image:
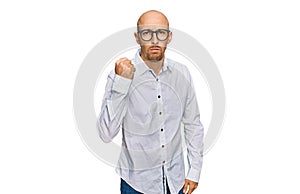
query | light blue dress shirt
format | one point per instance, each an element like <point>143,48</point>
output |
<point>154,113</point>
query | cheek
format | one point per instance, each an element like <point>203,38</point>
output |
<point>145,47</point>
<point>163,44</point>
<point>163,48</point>
<point>145,44</point>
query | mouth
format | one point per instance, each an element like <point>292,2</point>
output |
<point>155,49</point>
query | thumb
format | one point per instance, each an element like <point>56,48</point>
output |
<point>185,187</point>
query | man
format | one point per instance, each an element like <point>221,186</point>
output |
<point>149,98</point>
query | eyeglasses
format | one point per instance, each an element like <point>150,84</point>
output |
<point>161,34</point>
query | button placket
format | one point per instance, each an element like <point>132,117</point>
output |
<point>162,131</point>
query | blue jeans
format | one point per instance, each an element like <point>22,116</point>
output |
<point>127,189</point>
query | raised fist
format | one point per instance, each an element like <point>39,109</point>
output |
<point>124,68</point>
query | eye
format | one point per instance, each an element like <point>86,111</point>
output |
<point>162,32</point>
<point>145,33</point>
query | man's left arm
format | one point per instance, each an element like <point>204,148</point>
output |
<point>194,132</point>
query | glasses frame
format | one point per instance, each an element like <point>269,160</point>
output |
<point>152,32</point>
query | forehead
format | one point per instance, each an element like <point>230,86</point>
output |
<point>152,27</point>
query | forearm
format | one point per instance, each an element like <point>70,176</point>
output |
<point>114,107</point>
<point>195,146</point>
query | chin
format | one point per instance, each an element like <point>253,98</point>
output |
<point>155,58</point>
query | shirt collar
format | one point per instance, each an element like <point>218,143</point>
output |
<point>141,67</point>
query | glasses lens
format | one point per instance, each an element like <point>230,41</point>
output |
<point>146,35</point>
<point>162,34</point>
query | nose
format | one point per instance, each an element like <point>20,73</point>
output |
<point>154,39</point>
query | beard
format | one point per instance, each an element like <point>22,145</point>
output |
<point>155,56</point>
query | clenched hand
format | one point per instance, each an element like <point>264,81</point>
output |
<point>124,68</point>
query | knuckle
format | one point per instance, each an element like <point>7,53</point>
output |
<point>118,62</point>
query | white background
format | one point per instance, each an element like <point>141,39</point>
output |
<point>255,45</point>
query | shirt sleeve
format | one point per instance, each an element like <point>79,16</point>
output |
<point>114,106</point>
<point>194,132</point>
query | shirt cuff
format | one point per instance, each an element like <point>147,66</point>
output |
<point>121,84</point>
<point>193,175</point>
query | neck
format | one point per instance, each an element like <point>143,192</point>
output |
<point>155,65</point>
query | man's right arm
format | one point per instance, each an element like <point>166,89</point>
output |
<point>114,104</point>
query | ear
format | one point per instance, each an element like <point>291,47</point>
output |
<point>137,39</point>
<point>170,37</point>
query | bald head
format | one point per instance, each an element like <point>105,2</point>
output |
<point>154,18</point>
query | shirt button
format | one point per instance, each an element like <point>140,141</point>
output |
<point>160,113</point>
<point>156,79</point>
<point>164,161</point>
<point>161,129</point>
<point>162,146</point>
<point>158,96</point>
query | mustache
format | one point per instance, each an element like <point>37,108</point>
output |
<point>154,47</point>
